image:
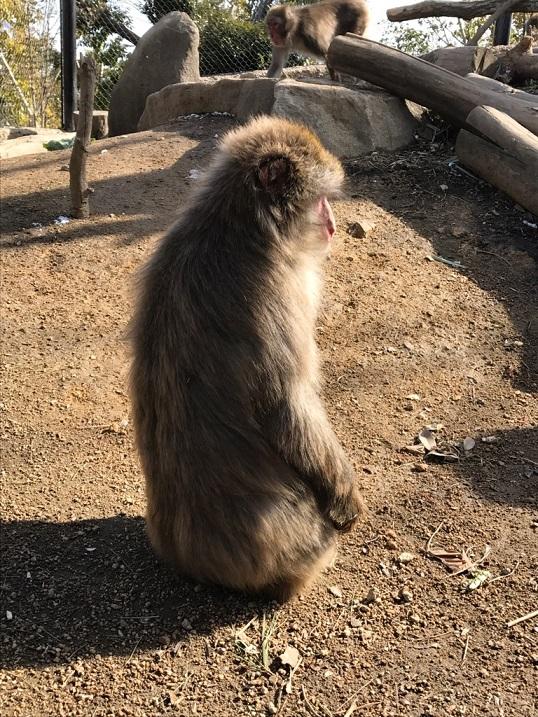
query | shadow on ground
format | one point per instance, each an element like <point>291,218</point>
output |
<point>94,587</point>
<point>465,220</point>
<point>504,469</point>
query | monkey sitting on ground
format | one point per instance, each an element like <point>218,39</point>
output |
<point>310,29</point>
<point>247,485</point>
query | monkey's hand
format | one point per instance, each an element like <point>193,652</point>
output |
<point>346,508</point>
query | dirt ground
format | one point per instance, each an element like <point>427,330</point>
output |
<point>93,625</point>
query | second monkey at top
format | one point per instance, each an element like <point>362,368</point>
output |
<point>310,29</point>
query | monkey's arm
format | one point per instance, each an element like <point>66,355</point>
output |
<point>280,57</point>
<point>300,431</point>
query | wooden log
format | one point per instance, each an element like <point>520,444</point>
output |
<point>80,192</point>
<point>508,62</point>
<point>506,155</point>
<point>513,63</point>
<point>414,79</point>
<point>462,60</point>
<point>496,86</point>
<point>465,9</point>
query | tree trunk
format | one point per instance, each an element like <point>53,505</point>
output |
<point>506,154</point>
<point>466,9</point>
<point>80,203</point>
<point>414,79</point>
<point>502,9</point>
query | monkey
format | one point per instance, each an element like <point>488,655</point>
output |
<point>531,26</point>
<point>247,485</point>
<point>310,29</point>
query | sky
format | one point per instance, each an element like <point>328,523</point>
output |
<point>378,10</point>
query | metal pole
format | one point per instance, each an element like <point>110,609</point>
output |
<point>69,62</point>
<point>501,36</point>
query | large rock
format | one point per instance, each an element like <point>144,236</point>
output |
<point>238,96</point>
<point>166,53</point>
<point>349,121</point>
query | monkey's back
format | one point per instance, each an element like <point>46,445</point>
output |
<point>214,335</point>
<point>321,22</point>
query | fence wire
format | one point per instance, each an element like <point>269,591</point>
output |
<point>30,60</point>
<point>232,34</point>
<point>233,39</point>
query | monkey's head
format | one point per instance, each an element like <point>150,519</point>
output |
<point>287,175</point>
<point>281,23</point>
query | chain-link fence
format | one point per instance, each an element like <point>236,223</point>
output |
<point>232,34</point>
<point>30,63</point>
<point>232,39</point>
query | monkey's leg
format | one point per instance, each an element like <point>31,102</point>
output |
<point>335,77</point>
<point>300,431</point>
<point>280,57</point>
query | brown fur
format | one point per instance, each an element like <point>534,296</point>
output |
<point>310,29</point>
<point>246,482</point>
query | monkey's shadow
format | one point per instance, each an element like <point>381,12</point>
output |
<point>95,587</point>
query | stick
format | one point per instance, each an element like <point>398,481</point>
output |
<point>80,192</point>
<point>501,10</point>
<point>528,616</point>
<point>465,9</point>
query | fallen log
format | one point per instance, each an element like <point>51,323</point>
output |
<point>446,93</point>
<point>465,9</point>
<point>495,86</point>
<point>508,62</point>
<point>505,155</point>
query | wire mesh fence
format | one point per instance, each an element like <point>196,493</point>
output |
<point>232,34</point>
<point>30,63</point>
<point>233,39</point>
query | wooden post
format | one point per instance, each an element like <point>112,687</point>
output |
<point>80,202</point>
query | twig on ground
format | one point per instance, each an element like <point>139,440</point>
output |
<point>465,648</point>
<point>528,616</point>
<point>506,575</point>
<point>497,256</point>
<point>432,536</point>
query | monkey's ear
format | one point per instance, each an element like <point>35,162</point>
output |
<point>275,174</point>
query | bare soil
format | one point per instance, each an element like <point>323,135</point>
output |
<point>93,625</point>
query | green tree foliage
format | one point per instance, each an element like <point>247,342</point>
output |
<point>99,25</point>
<point>422,36</point>
<point>29,63</point>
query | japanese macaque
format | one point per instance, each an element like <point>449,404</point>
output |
<point>310,29</point>
<point>247,485</point>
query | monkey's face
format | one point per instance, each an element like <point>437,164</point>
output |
<point>276,26</point>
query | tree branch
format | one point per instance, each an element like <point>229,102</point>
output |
<point>466,9</point>
<point>501,10</point>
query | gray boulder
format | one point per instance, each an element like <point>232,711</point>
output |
<point>167,53</point>
<point>238,96</point>
<point>349,121</point>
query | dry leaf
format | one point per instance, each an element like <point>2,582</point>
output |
<point>290,656</point>
<point>456,562</point>
<point>427,439</point>
<point>334,590</point>
<point>441,457</point>
<point>413,397</point>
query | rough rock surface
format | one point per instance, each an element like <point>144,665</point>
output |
<point>99,123</point>
<point>349,121</point>
<point>167,53</point>
<point>241,97</point>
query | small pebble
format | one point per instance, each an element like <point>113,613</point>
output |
<point>405,595</point>
<point>405,558</point>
